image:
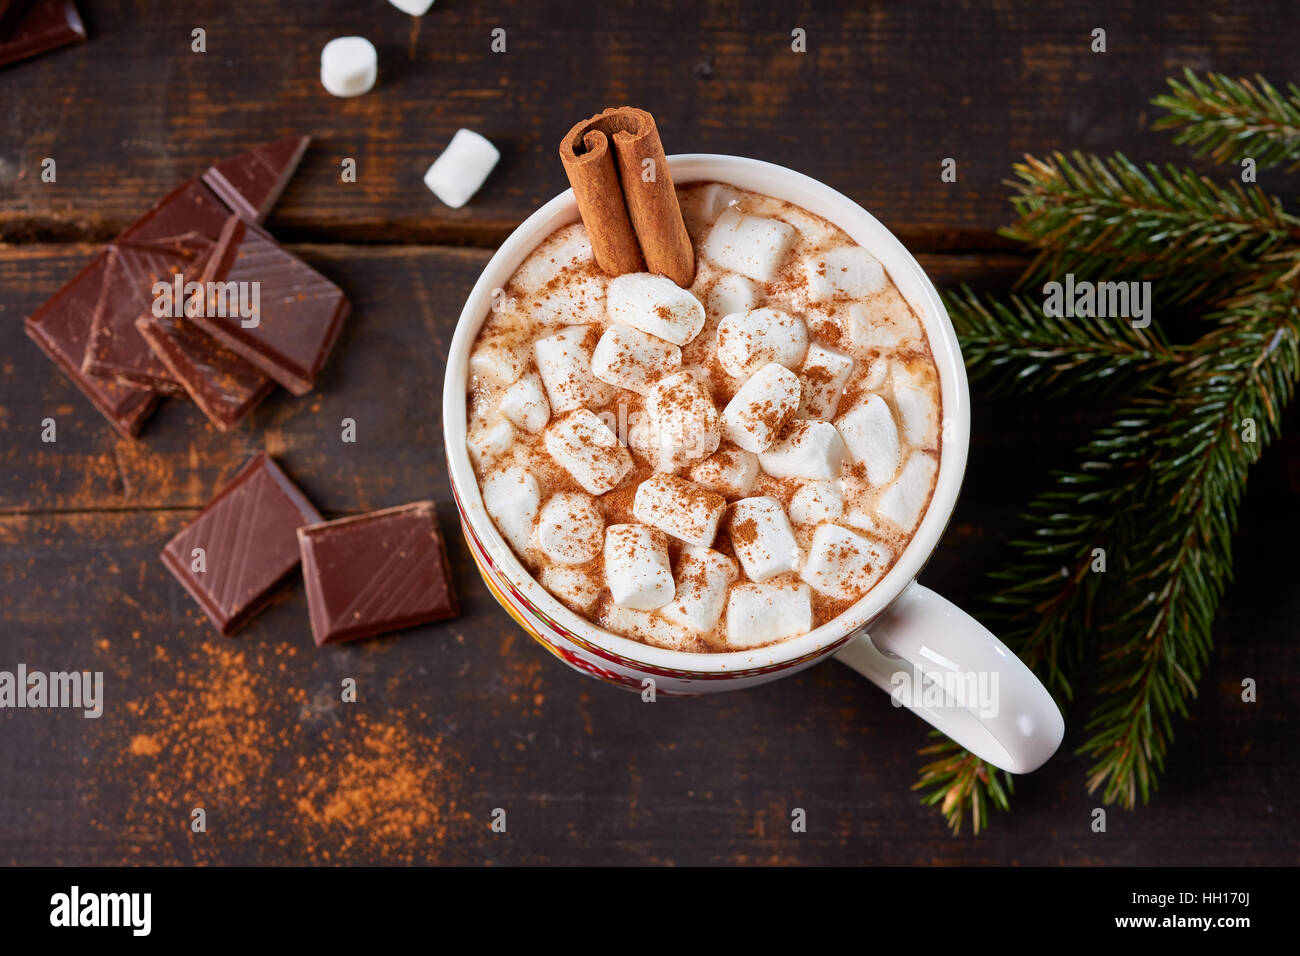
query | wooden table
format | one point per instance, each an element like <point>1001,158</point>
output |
<point>470,716</point>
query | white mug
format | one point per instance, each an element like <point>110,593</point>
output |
<point>927,653</point>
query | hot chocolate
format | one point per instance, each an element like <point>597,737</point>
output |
<point>713,468</point>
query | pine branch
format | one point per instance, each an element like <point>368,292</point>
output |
<point>1111,219</point>
<point>962,784</point>
<point>1179,561</point>
<point>1016,346</point>
<point>1229,120</point>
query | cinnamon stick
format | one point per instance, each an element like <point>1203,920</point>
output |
<point>616,165</point>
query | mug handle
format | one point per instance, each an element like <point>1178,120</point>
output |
<point>935,659</point>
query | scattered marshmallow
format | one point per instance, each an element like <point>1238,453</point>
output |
<point>763,613</point>
<point>564,362</point>
<point>813,451</point>
<point>462,168</point>
<point>584,446</point>
<point>416,8</point>
<point>629,358</point>
<point>762,539</point>
<point>637,572</point>
<point>916,409</point>
<point>655,304</point>
<point>815,502</point>
<point>822,378</point>
<point>703,579</point>
<point>646,626</point>
<point>685,422</point>
<point>489,441</point>
<point>511,497</point>
<point>843,272</point>
<point>749,340</point>
<point>761,408</point>
<point>497,363</point>
<point>679,508</point>
<point>751,245</point>
<point>886,323</point>
<point>349,66</point>
<point>570,528</point>
<point>729,472</point>
<point>907,497</point>
<point>844,565</point>
<point>732,293</point>
<point>525,404</point>
<point>576,587</point>
<point>871,437</point>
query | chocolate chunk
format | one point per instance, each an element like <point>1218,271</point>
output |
<point>248,541</point>
<point>251,182</point>
<point>188,209</point>
<point>36,27</point>
<point>221,383</point>
<point>61,327</point>
<point>375,573</point>
<point>300,315</point>
<point>116,350</point>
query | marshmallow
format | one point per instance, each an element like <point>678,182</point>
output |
<point>843,565</point>
<point>822,378</point>
<point>761,408</point>
<point>907,497</point>
<point>815,230</point>
<point>762,613</point>
<point>703,579</point>
<point>645,626</point>
<point>809,450</point>
<point>655,304</point>
<point>916,409</point>
<point>761,537</point>
<point>683,419</point>
<point>848,272</point>
<point>871,437</point>
<point>883,324</point>
<point>564,361</point>
<point>489,441</point>
<point>629,358</point>
<point>570,529</point>
<point>679,508</point>
<point>576,587</point>
<point>732,293</point>
<point>815,502</point>
<point>524,403</point>
<point>577,300</point>
<point>713,200</point>
<point>348,66</point>
<point>457,174</point>
<point>569,247</point>
<point>497,363</point>
<point>416,8</point>
<point>637,572</point>
<point>511,497</point>
<point>749,340</point>
<point>751,245</point>
<point>729,472</point>
<point>584,446</point>
<point>877,372</point>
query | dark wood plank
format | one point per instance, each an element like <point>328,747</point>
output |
<point>884,92</point>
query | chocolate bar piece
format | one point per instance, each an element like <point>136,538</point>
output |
<point>251,182</point>
<point>300,313</point>
<point>191,208</point>
<point>116,351</point>
<point>44,25</point>
<point>61,327</point>
<point>375,573</point>
<point>242,545</point>
<point>221,383</point>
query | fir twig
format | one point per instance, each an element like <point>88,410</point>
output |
<point>962,784</point>
<point>1229,120</point>
<point>1112,219</point>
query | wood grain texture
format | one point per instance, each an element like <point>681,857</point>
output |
<point>481,717</point>
<point>883,94</point>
